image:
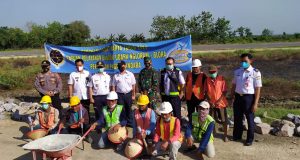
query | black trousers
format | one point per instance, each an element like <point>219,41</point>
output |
<point>56,103</point>
<point>176,104</point>
<point>100,102</point>
<point>192,106</point>
<point>86,104</point>
<point>126,101</point>
<point>242,105</point>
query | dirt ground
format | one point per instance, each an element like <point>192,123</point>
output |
<point>266,147</point>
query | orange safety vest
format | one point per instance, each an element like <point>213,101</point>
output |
<point>144,124</point>
<point>214,91</point>
<point>50,121</point>
<point>197,89</point>
<point>172,126</point>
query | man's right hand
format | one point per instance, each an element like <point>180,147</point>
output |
<point>189,142</point>
<point>93,126</point>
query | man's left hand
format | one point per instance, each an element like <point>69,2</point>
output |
<point>116,128</point>
<point>164,145</point>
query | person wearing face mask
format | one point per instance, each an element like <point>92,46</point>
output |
<point>78,85</point>
<point>201,130</point>
<point>48,83</point>
<point>112,115</point>
<point>194,90</point>
<point>172,86</point>
<point>144,120</point>
<point>124,84</point>
<point>215,93</point>
<point>148,82</point>
<point>167,133</point>
<point>76,119</point>
<point>47,117</point>
<point>99,88</point>
<point>245,93</point>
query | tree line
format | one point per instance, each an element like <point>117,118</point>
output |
<point>204,28</point>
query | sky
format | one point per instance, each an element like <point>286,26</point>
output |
<point>135,16</point>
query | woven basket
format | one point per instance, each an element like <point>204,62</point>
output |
<point>36,134</point>
<point>119,136</point>
<point>133,148</point>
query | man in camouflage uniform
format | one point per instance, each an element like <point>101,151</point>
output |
<point>48,83</point>
<point>148,82</point>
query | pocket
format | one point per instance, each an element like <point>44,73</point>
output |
<point>42,81</point>
<point>53,80</point>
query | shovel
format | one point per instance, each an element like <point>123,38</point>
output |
<point>144,141</point>
<point>81,125</point>
<point>30,123</point>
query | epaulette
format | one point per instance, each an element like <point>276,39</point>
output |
<point>256,70</point>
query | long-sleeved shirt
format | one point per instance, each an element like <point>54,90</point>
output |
<point>176,133</point>
<point>152,123</point>
<point>73,117</point>
<point>45,82</point>
<point>123,121</point>
<point>205,137</point>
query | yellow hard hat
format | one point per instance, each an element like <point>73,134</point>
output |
<point>143,100</point>
<point>46,99</point>
<point>74,100</point>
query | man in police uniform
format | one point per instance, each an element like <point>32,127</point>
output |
<point>78,82</point>
<point>148,82</point>
<point>245,92</point>
<point>48,83</point>
<point>171,86</point>
<point>99,88</point>
<point>124,84</point>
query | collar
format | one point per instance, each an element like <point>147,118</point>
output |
<point>249,69</point>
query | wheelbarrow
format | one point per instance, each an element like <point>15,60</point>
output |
<point>56,146</point>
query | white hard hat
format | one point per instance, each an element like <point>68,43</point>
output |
<point>165,108</point>
<point>112,95</point>
<point>196,63</point>
<point>204,104</point>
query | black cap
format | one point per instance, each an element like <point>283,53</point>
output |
<point>147,59</point>
<point>100,64</point>
<point>45,63</point>
<point>121,63</point>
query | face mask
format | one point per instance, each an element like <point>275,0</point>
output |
<point>203,114</point>
<point>100,70</point>
<point>169,67</point>
<point>167,120</point>
<point>245,65</point>
<point>147,65</point>
<point>45,69</point>
<point>80,68</point>
<point>214,75</point>
<point>45,106</point>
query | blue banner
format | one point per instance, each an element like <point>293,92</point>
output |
<point>62,58</point>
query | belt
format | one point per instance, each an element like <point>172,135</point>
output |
<point>124,93</point>
<point>243,94</point>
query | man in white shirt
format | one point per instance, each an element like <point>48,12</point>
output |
<point>245,92</point>
<point>124,84</point>
<point>99,88</point>
<point>78,82</point>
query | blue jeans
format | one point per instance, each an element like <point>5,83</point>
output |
<point>104,141</point>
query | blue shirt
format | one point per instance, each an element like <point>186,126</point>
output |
<point>152,123</point>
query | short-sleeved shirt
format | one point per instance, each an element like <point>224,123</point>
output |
<point>123,82</point>
<point>167,81</point>
<point>100,84</point>
<point>246,80</point>
<point>80,81</point>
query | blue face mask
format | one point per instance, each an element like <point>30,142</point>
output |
<point>245,65</point>
<point>45,106</point>
<point>214,75</point>
<point>100,70</point>
<point>169,67</point>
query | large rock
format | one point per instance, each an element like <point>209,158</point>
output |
<point>262,128</point>
<point>9,106</point>
<point>286,131</point>
<point>289,117</point>
<point>297,120</point>
<point>297,131</point>
<point>257,120</point>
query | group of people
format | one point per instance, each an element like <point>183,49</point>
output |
<point>159,125</point>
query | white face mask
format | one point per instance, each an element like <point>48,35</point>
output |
<point>167,120</point>
<point>80,68</point>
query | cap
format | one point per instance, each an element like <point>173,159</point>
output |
<point>204,104</point>
<point>45,63</point>
<point>213,68</point>
<point>100,64</point>
<point>121,63</point>
<point>147,59</point>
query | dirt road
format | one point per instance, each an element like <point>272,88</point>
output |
<point>266,147</point>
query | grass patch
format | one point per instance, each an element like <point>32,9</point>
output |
<point>18,73</point>
<point>275,112</point>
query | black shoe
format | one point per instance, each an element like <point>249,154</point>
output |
<point>248,144</point>
<point>236,139</point>
<point>190,149</point>
<point>120,147</point>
